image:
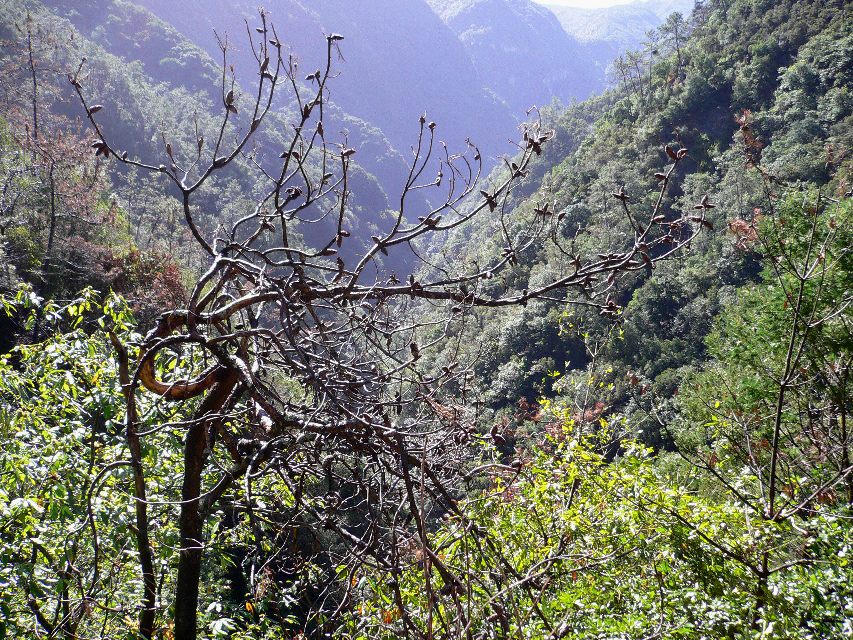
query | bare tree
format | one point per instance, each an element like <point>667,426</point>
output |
<point>368,448</point>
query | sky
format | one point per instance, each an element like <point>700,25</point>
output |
<point>586,4</point>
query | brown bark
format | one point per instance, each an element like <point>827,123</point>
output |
<point>191,522</point>
<point>143,543</point>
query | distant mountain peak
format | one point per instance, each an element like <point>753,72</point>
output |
<point>520,50</point>
<point>621,25</point>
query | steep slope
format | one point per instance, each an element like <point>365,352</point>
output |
<point>398,60</point>
<point>152,81</point>
<point>796,123</point>
<point>521,51</point>
<point>134,33</point>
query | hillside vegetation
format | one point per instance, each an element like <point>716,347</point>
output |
<point>283,355</point>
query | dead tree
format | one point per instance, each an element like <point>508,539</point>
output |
<point>366,426</point>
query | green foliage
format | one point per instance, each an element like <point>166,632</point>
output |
<point>585,548</point>
<point>64,514</point>
<point>761,92</point>
<point>781,352</point>
<point>68,556</point>
<point>589,535</point>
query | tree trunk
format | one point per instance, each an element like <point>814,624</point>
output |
<point>143,543</point>
<point>191,522</point>
<point>46,265</point>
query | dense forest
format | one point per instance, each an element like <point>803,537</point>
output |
<point>313,328</point>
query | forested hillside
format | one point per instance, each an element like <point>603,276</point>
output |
<point>419,63</point>
<point>166,60</point>
<point>312,328</point>
<point>714,93</point>
<point>151,82</point>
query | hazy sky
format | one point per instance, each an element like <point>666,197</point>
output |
<point>587,4</point>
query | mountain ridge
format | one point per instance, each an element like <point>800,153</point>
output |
<point>498,34</point>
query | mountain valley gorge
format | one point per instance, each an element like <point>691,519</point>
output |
<point>429,319</point>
